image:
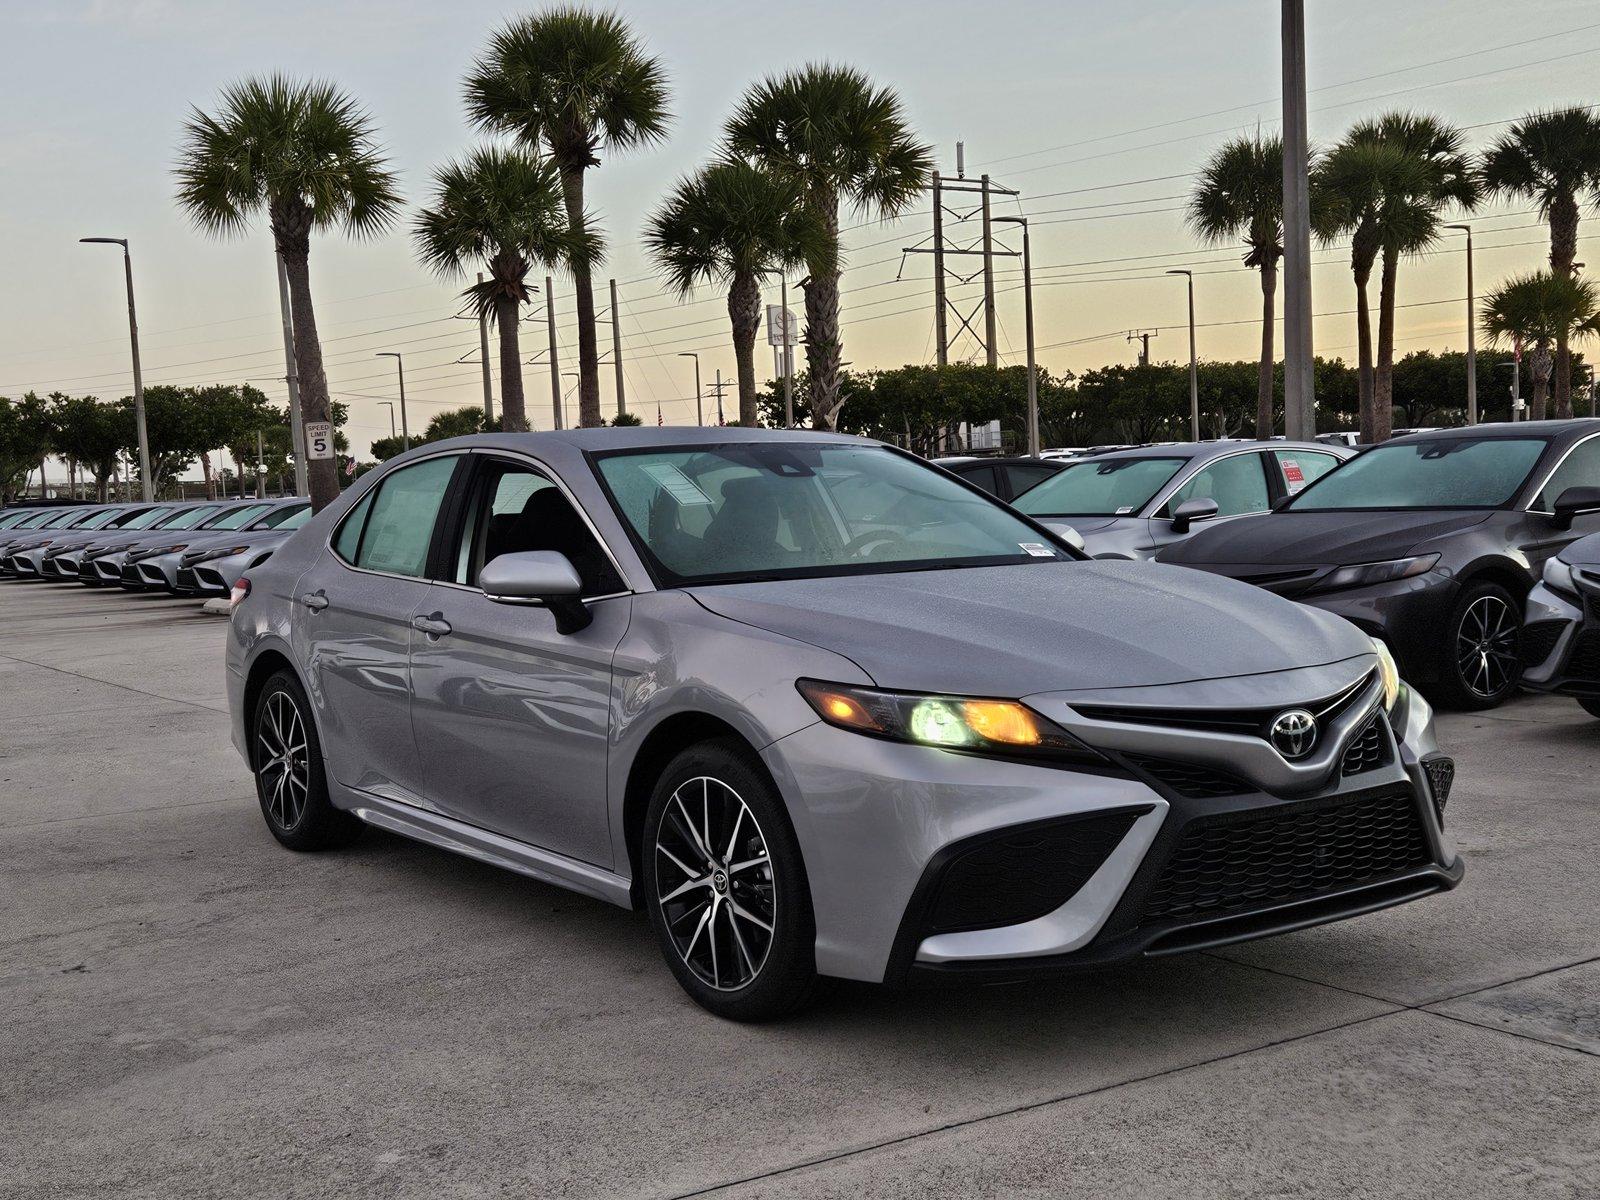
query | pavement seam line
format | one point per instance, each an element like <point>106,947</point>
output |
<point>1516,1033</point>
<point>1031,1106</point>
<point>126,812</point>
<point>110,683</point>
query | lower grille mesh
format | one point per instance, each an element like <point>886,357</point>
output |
<point>1538,639</point>
<point>1227,863</point>
<point>1584,662</point>
<point>1367,751</point>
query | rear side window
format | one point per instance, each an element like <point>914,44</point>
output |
<point>980,477</point>
<point>396,526</point>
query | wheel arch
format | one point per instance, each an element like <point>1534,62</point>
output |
<point>1508,573</point>
<point>267,662</point>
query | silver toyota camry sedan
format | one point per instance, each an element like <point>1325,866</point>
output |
<point>822,710</point>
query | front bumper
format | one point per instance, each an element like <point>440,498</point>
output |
<point>928,864</point>
<point>1561,643</point>
<point>160,572</point>
<point>105,570</point>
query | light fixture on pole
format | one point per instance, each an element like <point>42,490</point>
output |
<point>1472,338</point>
<point>389,404</point>
<point>699,417</point>
<point>400,366</point>
<point>1194,362</point>
<point>1027,310</point>
<point>138,377</point>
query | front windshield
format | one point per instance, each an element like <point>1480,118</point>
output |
<point>287,517</point>
<point>1464,472</point>
<point>148,518</point>
<point>1105,487</point>
<point>100,519</point>
<point>186,518</point>
<point>779,510</point>
<point>235,518</point>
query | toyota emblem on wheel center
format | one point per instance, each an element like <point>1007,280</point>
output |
<point>1294,733</point>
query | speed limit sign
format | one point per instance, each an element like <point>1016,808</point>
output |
<point>319,439</point>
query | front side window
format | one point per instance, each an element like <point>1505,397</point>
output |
<point>792,509</point>
<point>514,510</point>
<point>281,517</point>
<point>396,527</point>
<point>1237,483</point>
<point>1581,468</point>
<point>1301,468</point>
<point>1458,472</point>
<point>1105,487</point>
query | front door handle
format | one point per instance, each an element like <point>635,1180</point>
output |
<point>434,626</point>
<point>315,601</point>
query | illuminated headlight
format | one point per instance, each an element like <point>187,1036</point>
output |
<point>1558,578</point>
<point>1368,574</point>
<point>1389,672</point>
<point>969,724</point>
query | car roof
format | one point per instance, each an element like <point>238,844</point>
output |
<point>609,437</point>
<point>1210,449</point>
<point>1557,430</point>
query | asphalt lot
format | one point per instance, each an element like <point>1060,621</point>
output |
<point>189,1010</point>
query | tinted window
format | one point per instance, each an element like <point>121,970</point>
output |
<point>979,476</point>
<point>281,518</point>
<point>1581,468</point>
<point>775,510</point>
<point>400,523</point>
<point>1461,472</point>
<point>1023,476</point>
<point>101,519</point>
<point>348,540</point>
<point>236,518</point>
<point>1106,487</point>
<point>186,518</point>
<point>515,510</point>
<point>1302,467</point>
<point>1236,483</point>
<point>148,518</point>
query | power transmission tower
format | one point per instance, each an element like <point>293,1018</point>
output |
<point>954,237</point>
<point>718,388</point>
<point>1143,336</point>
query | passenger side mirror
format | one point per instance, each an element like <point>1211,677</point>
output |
<point>1200,508</point>
<point>1575,502</point>
<point>537,577</point>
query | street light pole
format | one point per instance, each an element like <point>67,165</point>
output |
<point>1194,363</point>
<point>699,416</point>
<point>138,377</point>
<point>788,354</point>
<point>1027,318</point>
<point>389,404</point>
<point>1299,368</point>
<point>400,366</point>
<point>1472,340</point>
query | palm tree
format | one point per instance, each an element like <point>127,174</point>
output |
<point>306,156</point>
<point>733,224</point>
<point>830,133</point>
<point>504,208</point>
<point>1553,159</point>
<point>1541,310</point>
<point>566,83</point>
<point>1240,195</point>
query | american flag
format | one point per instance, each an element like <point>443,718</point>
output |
<point>659,419</point>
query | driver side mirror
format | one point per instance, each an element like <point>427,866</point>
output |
<point>1575,502</point>
<point>1200,508</point>
<point>538,577</point>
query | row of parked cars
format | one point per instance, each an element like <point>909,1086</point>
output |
<point>185,548</point>
<point>1456,546</point>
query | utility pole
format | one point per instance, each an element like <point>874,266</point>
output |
<point>1143,336</point>
<point>291,380</point>
<point>555,367</point>
<point>940,313</point>
<point>616,348</point>
<point>716,387</point>
<point>1027,309</point>
<point>1194,363</point>
<point>788,345</point>
<point>138,377</point>
<point>405,428</point>
<point>699,415</point>
<point>988,280</point>
<point>1472,332</point>
<point>483,357</point>
<point>1299,366</point>
<point>261,467</point>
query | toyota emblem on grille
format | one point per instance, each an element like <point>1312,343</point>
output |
<point>1294,733</point>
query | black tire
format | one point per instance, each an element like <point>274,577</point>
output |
<point>1590,705</point>
<point>782,975</point>
<point>1479,663</point>
<point>291,783</point>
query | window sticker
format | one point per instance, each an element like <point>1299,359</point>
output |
<point>676,484</point>
<point>1037,549</point>
<point>1125,510</point>
<point>1293,475</point>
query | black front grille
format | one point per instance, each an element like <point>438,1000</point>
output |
<point>1368,750</point>
<point>1584,661</point>
<point>1232,862</point>
<point>186,579</point>
<point>1441,771</point>
<point>1024,873</point>
<point>1191,779</point>
<point>1539,638</point>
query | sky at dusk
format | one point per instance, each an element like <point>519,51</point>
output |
<point>1097,113</point>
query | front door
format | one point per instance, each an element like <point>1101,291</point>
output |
<point>511,717</point>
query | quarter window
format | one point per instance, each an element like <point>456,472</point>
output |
<point>1581,468</point>
<point>1301,467</point>
<point>1236,483</point>
<point>391,531</point>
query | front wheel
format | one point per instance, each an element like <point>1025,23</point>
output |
<point>1481,661</point>
<point>726,887</point>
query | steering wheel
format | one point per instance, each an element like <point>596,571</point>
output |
<point>863,544</point>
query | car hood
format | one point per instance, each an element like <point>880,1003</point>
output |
<point>1585,552</point>
<point>1020,630</point>
<point>1087,525</point>
<point>1319,538</point>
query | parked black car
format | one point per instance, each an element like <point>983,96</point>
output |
<point>1007,478</point>
<point>1431,542</point>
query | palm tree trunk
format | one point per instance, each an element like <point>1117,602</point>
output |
<point>292,232</point>
<point>588,348</point>
<point>1540,362</point>
<point>205,470</point>
<point>744,311</point>
<point>1361,268</point>
<point>513,407</point>
<point>824,349</point>
<point>1269,293</point>
<point>1563,251</point>
<point>1383,376</point>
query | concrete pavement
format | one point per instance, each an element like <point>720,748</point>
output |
<point>190,1010</point>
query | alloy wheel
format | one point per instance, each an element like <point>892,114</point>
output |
<point>1486,647</point>
<point>282,760</point>
<point>715,883</point>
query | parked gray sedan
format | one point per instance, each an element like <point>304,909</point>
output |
<point>1132,503</point>
<point>822,710</point>
<point>1561,636</point>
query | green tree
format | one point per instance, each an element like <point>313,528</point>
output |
<point>837,138</point>
<point>568,82</point>
<point>1240,196</point>
<point>91,434</point>
<point>733,224</point>
<point>626,420</point>
<point>1540,310</point>
<point>306,155</point>
<point>27,432</point>
<point>501,207</point>
<point>1553,159</point>
<point>455,422</point>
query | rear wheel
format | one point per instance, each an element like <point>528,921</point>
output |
<point>1480,662</point>
<point>291,782</point>
<point>726,887</point>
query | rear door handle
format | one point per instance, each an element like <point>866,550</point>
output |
<point>315,601</point>
<point>434,626</point>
